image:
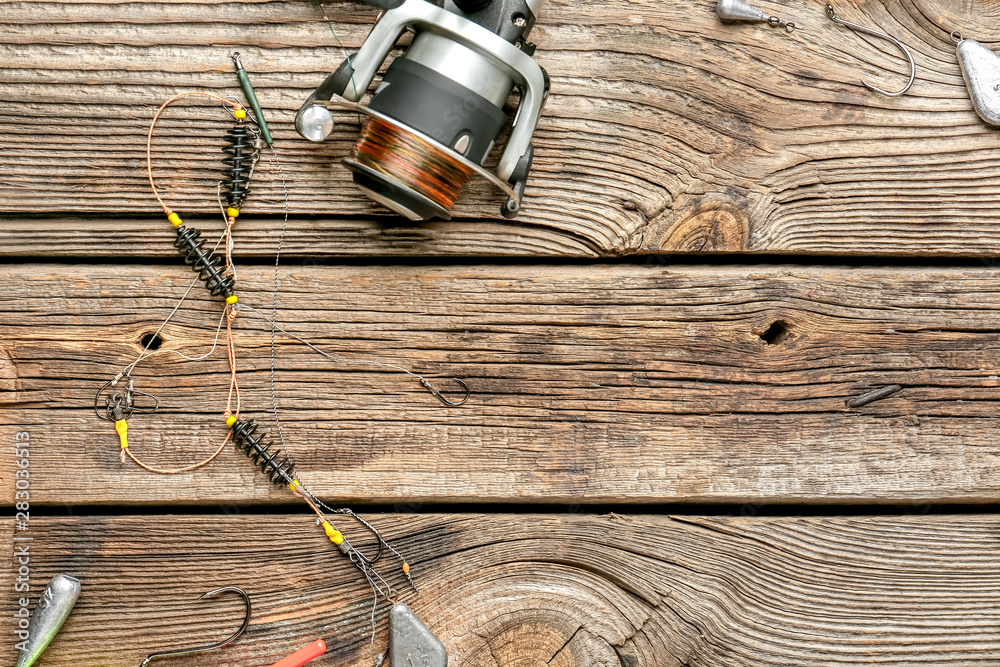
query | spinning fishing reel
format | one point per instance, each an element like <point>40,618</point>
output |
<point>439,109</point>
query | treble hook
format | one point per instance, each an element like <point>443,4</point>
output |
<point>875,33</point>
<point>246,621</point>
<point>431,388</point>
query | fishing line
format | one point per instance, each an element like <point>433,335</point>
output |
<point>215,343</point>
<point>362,362</point>
<point>407,159</point>
<point>347,55</point>
<point>274,295</point>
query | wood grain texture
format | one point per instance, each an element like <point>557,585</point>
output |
<point>503,590</point>
<point>666,131</point>
<point>591,384</point>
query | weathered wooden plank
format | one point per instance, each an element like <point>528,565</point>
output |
<point>42,236</point>
<point>562,590</point>
<point>666,131</point>
<point>591,384</point>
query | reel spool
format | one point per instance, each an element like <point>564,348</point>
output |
<point>437,114</point>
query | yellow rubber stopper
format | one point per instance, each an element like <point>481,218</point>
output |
<point>232,299</point>
<point>175,220</point>
<point>233,212</point>
<point>122,427</point>
<point>335,535</point>
<point>230,421</point>
<point>241,113</point>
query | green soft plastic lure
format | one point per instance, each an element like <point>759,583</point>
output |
<point>51,612</point>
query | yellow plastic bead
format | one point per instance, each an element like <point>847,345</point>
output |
<point>406,568</point>
<point>122,427</point>
<point>175,220</point>
<point>241,113</point>
<point>230,421</point>
<point>335,535</point>
<point>232,299</point>
<point>233,212</point>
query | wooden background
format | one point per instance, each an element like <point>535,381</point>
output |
<point>724,238</point>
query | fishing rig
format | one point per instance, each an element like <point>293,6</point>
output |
<point>118,400</point>
<point>438,112</point>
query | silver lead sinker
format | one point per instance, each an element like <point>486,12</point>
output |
<point>50,613</point>
<point>411,642</point>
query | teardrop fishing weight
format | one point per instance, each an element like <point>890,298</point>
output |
<point>205,263</point>
<point>981,71</point>
<point>276,465</point>
<point>737,11</point>
<point>409,636</point>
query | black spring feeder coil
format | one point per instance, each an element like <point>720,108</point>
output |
<point>276,465</point>
<point>204,262</point>
<point>239,151</point>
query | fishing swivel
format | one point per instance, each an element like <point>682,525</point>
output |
<point>738,11</point>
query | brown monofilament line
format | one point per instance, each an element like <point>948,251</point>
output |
<point>149,138</point>
<point>234,386</point>
<point>406,158</point>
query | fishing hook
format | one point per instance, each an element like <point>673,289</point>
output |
<point>378,536</point>
<point>246,621</point>
<point>875,33</point>
<point>124,400</point>
<point>431,388</point>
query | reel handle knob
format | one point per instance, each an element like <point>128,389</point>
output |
<point>315,123</point>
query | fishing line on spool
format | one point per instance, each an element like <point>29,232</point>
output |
<point>415,163</point>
